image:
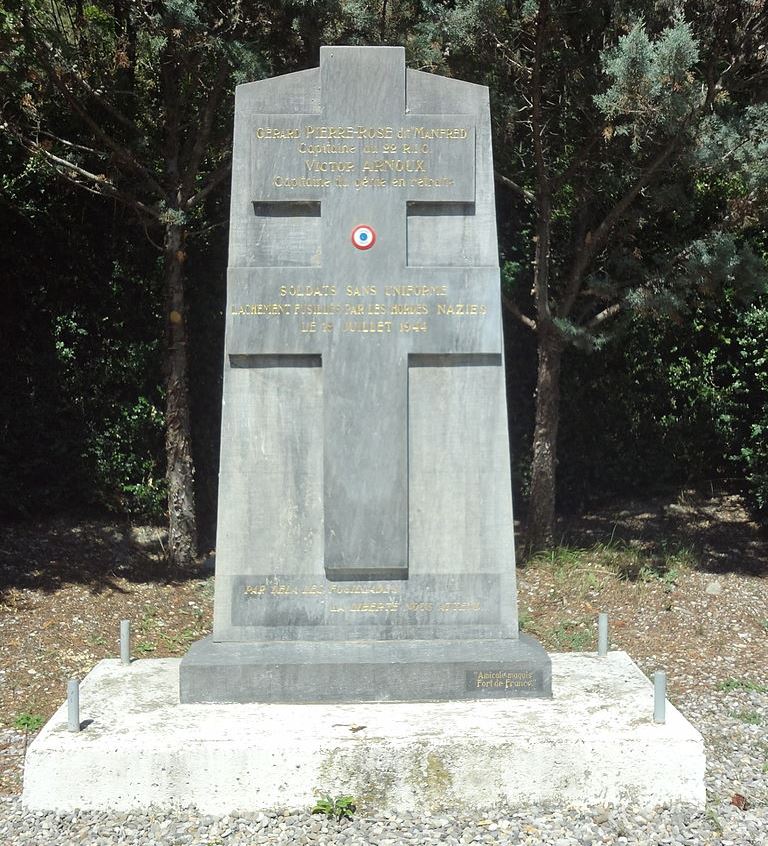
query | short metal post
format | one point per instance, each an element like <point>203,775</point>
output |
<point>659,696</point>
<point>602,634</point>
<point>125,642</point>
<point>73,705</point>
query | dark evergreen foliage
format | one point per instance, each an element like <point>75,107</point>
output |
<point>664,379</point>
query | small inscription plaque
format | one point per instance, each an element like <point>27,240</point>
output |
<point>424,158</point>
<point>421,600</point>
<point>453,311</point>
<point>501,682</point>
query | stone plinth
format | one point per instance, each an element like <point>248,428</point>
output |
<point>594,742</point>
<point>365,671</point>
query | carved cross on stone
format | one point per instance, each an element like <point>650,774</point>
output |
<point>360,308</point>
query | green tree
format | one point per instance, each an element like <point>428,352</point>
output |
<point>605,116</point>
<point>128,101</point>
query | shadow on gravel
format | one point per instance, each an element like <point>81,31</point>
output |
<point>49,555</point>
<point>717,529</point>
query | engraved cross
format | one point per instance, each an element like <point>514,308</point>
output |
<point>364,160</point>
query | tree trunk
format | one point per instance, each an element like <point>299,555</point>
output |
<point>541,512</point>
<point>180,472</point>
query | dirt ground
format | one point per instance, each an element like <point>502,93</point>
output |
<point>684,581</point>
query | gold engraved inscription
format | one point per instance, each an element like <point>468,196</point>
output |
<point>362,588</point>
<point>415,290</point>
<point>462,309</point>
<point>300,182</point>
<point>419,606</point>
<point>261,309</point>
<point>447,607</point>
<point>283,590</point>
<point>502,680</point>
<point>374,607</point>
<point>318,590</point>
<point>307,290</point>
<point>394,166</point>
<point>317,307</point>
<point>367,326</point>
<point>368,133</point>
<point>394,156</point>
<point>367,608</point>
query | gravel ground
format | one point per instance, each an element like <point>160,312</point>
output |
<point>63,590</point>
<point>733,723</point>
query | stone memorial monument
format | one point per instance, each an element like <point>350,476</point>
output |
<point>365,549</point>
<point>365,546</point>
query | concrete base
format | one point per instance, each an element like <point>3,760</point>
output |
<point>365,671</point>
<point>594,742</point>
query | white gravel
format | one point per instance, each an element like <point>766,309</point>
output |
<point>734,724</point>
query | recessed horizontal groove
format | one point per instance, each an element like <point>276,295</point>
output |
<point>275,360</point>
<point>287,208</point>
<point>454,360</point>
<point>416,208</point>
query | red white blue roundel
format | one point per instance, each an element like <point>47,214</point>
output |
<point>363,237</point>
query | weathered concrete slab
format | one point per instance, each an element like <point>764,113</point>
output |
<point>593,742</point>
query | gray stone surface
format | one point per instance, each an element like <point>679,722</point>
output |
<point>594,742</point>
<point>365,490</point>
<point>365,671</point>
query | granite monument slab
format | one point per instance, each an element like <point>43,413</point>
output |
<point>365,547</point>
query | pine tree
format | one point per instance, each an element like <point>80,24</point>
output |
<point>606,117</point>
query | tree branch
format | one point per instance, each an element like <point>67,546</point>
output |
<point>563,177</point>
<point>214,178</point>
<point>605,314</point>
<point>70,144</point>
<point>160,249</point>
<point>43,50</point>
<point>194,233</point>
<point>122,153</point>
<point>527,195</point>
<point>98,184</point>
<point>204,130</point>
<point>106,105</point>
<point>595,241</point>
<point>537,123</point>
<point>513,309</point>
<point>169,88</point>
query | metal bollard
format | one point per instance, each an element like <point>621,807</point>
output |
<point>73,705</point>
<point>125,642</point>
<point>602,634</point>
<point>659,696</point>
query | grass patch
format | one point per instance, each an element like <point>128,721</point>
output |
<point>524,620</point>
<point>574,636</point>
<point>753,718</point>
<point>28,722</point>
<point>715,820</point>
<point>342,807</point>
<point>594,564</point>
<point>179,642</point>
<point>730,685</point>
